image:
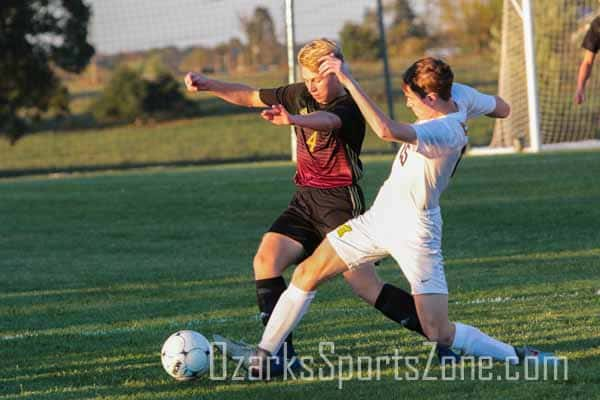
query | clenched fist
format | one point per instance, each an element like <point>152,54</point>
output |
<point>195,82</point>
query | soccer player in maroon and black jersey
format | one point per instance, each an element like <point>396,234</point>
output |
<point>591,45</point>
<point>330,130</point>
<point>329,158</point>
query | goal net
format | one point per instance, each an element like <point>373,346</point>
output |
<point>558,30</point>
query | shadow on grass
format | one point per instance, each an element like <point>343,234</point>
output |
<point>14,173</point>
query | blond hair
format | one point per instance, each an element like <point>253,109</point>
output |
<point>310,53</point>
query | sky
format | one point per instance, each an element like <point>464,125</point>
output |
<point>125,25</point>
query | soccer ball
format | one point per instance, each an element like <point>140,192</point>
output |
<point>186,355</point>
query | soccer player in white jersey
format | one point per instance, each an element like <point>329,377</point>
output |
<point>405,220</point>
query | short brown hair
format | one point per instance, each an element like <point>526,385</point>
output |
<point>430,75</point>
<point>310,53</point>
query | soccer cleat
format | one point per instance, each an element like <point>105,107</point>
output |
<point>286,357</point>
<point>234,350</point>
<point>260,363</point>
<point>534,356</point>
<point>446,355</point>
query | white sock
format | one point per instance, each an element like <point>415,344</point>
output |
<point>476,343</point>
<point>289,310</point>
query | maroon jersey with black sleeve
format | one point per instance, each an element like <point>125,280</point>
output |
<point>325,159</point>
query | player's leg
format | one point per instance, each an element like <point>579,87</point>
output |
<point>419,255</point>
<point>420,258</point>
<point>275,253</point>
<point>433,314</point>
<point>348,246</point>
<point>323,264</point>
<point>421,261</point>
<point>290,238</point>
<point>365,283</point>
<point>393,302</point>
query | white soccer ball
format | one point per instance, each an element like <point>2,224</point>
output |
<point>186,355</point>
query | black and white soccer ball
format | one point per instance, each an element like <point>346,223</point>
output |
<point>185,355</point>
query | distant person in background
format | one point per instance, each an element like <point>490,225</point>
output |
<point>591,45</point>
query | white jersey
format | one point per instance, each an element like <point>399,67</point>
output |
<point>472,102</point>
<point>421,172</point>
<point>406,221</point>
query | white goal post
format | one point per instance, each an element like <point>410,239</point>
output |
<point>539,62</point>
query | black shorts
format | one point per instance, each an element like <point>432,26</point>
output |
<point>313,213</point>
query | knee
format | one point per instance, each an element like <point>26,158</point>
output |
<point>305,277</point>
<point>265,266</point>
<point>262,262</point>
<point>437,333</point>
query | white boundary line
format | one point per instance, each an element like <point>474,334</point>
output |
<point>565,146</point>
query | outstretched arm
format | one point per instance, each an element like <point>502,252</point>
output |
<point>383,126</point>
<point>585,69</point>
<point>502,109</point>
<point>318,120</point>
<point>234,93</point>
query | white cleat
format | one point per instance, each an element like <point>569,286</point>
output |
<point>234,350</point>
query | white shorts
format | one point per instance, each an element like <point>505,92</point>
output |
<point>414,242</point>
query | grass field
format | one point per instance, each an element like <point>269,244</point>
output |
<point>97,270</point>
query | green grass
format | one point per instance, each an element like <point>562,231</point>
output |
<point>97,270</point>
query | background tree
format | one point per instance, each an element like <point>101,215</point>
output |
<point>407,34</point>
<point>154,65</point>
<point>122,98</point>
<point>129,97</point>
<point>263,48</point>
<point>234,55</point>
<point>360,41</point>
<point>35,36</point>
<point>197,59</point>
<point>164,98</point>
<point>470,24</point>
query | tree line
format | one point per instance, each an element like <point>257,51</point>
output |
<point>43,41</point>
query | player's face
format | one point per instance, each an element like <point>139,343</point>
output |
<point>421,107</point>
<point>323,88</point>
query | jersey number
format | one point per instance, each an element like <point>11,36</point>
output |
<point>403,154</point>
<point>312,141</point>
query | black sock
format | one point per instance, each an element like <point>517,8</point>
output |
<point>399,306</point>
<point>268,292</point>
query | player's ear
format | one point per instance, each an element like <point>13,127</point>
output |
<point>431,97</point>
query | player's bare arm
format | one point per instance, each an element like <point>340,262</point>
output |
<point>384,127</point>
<point>502,109</point>
<point>585,70</point>
<point>319,120</point>
<point>234,93</point>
